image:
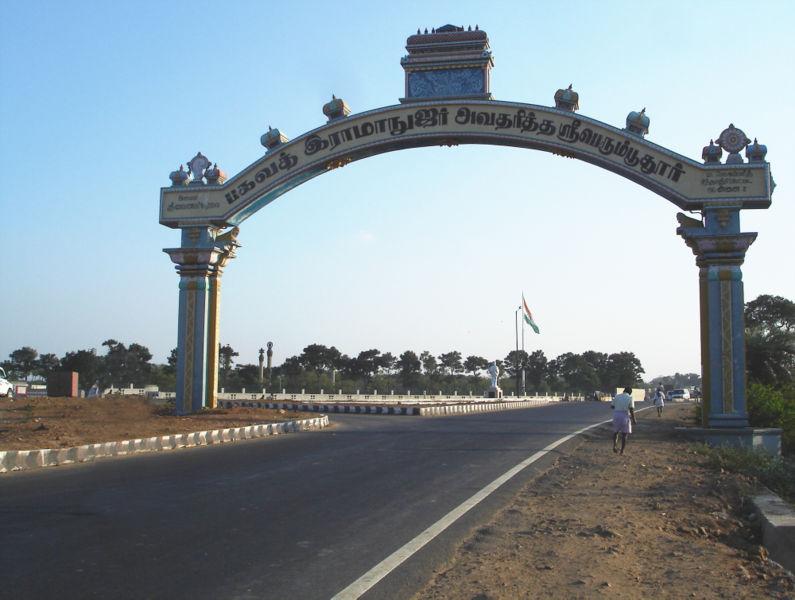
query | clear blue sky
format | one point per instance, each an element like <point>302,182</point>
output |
<point>420,249</point>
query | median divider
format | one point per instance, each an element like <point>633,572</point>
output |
<point>19,460</point>
<point>399,409</point>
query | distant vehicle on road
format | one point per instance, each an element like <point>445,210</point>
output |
<point>6,387</point>
<point>679,395</point>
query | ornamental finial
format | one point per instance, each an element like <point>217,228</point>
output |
<point>196,167</point>
<point>336,109</point>
<point>567,99</point>
<point>711,154</point>
<point>733,140</point>
<point>178,178</point>
<point>272,138</point>
<point>756,152</point>
<point>214,175</point>
<point>638,122</point>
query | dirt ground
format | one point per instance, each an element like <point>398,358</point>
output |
<point>28,424</point>
<point>654,523</point>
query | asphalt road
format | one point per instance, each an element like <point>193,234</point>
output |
<point>293,516</point>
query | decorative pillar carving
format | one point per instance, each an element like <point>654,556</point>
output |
<point>227,243</point>
<point>720,249</point>
<point>199,262</point>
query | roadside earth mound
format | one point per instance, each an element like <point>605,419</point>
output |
<point>33,423</point>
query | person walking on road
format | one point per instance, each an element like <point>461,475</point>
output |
<point>659,400</point>
<point>623,418</point>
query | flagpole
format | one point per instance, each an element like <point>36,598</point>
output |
<point>524,390</point>
<point>516,324</point>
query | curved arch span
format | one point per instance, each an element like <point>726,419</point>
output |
<point>688,184</point>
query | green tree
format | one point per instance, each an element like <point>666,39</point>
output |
<point>47,364</point>
<point>365,365</point>
<point>317,357</point>
<point>171,362</point>
<point>124,365</point>
<point>245,376</point>
<point>429,364</point>
<point>86,364</point>
<point>345,365</point>
<point>600,363</point>
<point>576,373</point>
<point>771,313</point>
<point>677,380</point>
<point>137,365</point>
<point>553,378</point>
<point>164,377</point>
<point>386,363</point>
<point>451,362</point>
<point>226,357</point>
<point>515,361</point>
<point>770,357</point>
<point>474,364</point>
<point>409,366</point>
<point>113,363</point>
<point>770,340</point>
<point>623,369</point>
<point>23,361</point>
<point>536,371</point>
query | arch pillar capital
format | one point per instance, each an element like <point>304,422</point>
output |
<point>719,247</point>
<point>200,262</point>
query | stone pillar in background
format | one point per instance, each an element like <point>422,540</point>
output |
<point>720,249</point>
<point>199,262</point>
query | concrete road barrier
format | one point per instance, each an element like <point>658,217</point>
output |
<point>461,408</point>
<point>778,528</point>
<point>18,460</point>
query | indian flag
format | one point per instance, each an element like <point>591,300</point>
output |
<point>528,316</point>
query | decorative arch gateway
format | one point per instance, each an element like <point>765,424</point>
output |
<point>448,102</point>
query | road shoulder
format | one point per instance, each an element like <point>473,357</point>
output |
<point>654,522</point>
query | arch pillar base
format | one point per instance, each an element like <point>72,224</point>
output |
<point>199,262</point>
<point>720,248</point>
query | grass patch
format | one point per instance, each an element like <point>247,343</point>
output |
<point>776,473</point>
<point>769,406</point>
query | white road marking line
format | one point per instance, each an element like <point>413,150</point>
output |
<point>399,556</point>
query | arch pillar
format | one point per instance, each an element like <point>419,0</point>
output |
<point>200,262</point>
<point>720,247</point>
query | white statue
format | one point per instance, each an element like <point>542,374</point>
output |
<point>494,371</point>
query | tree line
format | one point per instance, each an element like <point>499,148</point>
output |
<point>770,358</point>
<point>321,367</point>
<point>119,365</point>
